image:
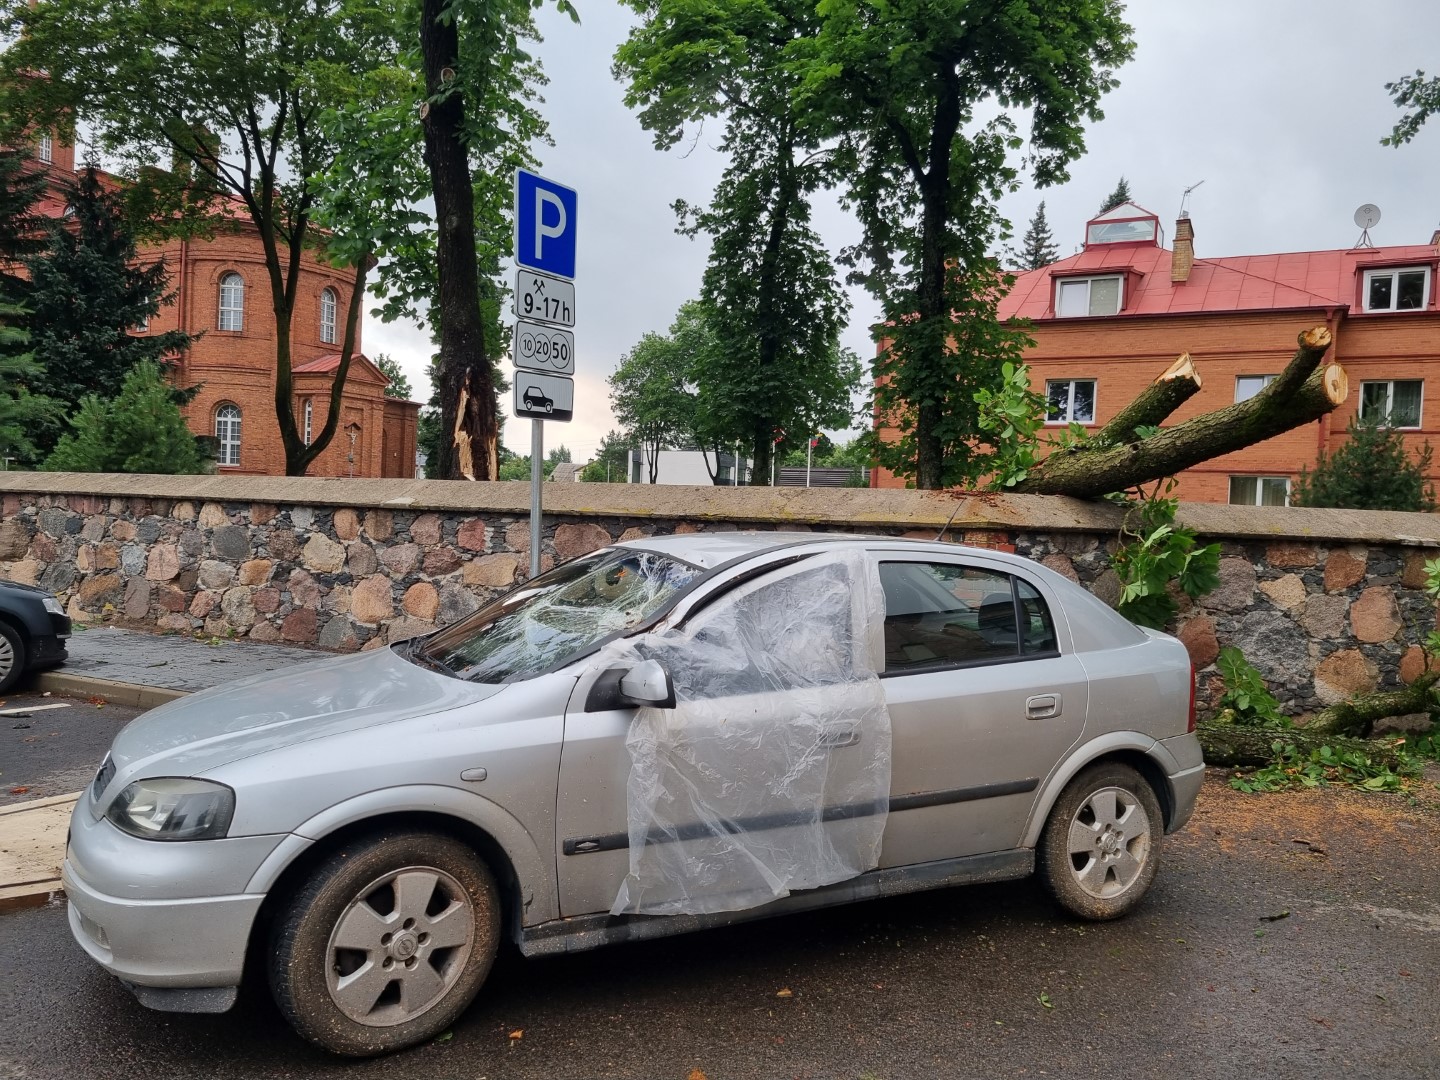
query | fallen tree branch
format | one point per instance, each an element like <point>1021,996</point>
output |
<point>1229,745</point>
<point>1175,386</point>
<point>1357,718</point>
<point>1303,392</point>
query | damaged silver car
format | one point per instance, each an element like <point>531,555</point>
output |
<point>665,735</point>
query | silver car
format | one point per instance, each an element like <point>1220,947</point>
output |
<point>665,735</point>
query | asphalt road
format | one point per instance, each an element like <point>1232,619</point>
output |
<point>1287,936</point>
<point>52,745</point>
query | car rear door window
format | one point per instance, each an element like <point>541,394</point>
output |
<point>945,614</point>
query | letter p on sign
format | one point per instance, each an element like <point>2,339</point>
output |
<point>544,225</point>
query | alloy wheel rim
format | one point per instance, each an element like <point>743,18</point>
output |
<point>7,656</point>
<point>400,946</point>
<point>1109,842</point>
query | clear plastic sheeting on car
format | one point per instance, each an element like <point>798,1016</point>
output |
<point>772,773</point>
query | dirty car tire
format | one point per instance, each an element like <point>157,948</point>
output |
<point>1101,845</point>
<point>386,943</point>
<point>12,656</point>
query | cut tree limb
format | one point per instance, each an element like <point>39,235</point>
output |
<point>1175,386</point>
<point>1303,392</point>
<point>1357,717</point>
<point>1229,744</point>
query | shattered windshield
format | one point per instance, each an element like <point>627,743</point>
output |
<point>559,615</point>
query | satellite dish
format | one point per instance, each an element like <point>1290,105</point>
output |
<point>1367,216</point>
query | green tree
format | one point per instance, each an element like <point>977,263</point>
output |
<point>1421,96</point>
<point>651,397</point>
<point>23,413</point>
<point>774,306</point>
<point>901,86</point>
<point>88,291</point>
<point>1037,246</point>
<point>231,95</point>
<point>1371,470</point>
<point>611,463</point>
<point>399,385</point>
<point>1121,194</point>
<point>139,431</point>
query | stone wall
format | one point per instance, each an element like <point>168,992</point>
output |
<point>1325,603</point>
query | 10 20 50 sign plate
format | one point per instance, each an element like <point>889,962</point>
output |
<point>544,348</point>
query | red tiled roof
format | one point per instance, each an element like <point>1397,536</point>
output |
<point>324,365</point>
<point>1304,279</point>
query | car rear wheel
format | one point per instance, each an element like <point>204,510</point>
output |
<point>386,943</point>
<point>1100,847</point>
<point>12,656</point>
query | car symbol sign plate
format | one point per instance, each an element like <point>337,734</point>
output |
<point>544,397</point>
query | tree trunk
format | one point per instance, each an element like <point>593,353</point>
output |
<point>462,369</point>
<point>1176,385</point>
<point>1227,744</point>
<point>1357,718</point>
<point>1303,392</point>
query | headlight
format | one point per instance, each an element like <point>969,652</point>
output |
<point>53,606</point>
<point>173,808</point>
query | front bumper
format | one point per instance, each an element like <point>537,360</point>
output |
<point>157,914</point>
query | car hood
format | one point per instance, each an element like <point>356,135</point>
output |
<point>203,731</point>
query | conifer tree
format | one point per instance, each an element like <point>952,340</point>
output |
<point>139,431</point>
<point>88,292</point>
<point>1372,470</point>
<point>1038,245</point>
<point>1121,194</point>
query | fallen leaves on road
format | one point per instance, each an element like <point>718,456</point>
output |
<point>517,1035</point>
<point>696,1074</point>
<point>19,790</point>
<point>785,992</point>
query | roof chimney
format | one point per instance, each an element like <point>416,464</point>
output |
<point>1182,256</point>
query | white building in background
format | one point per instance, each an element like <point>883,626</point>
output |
<point>688,467</point>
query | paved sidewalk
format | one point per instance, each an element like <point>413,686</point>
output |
<point>129,668</point>
<point>134,668</point>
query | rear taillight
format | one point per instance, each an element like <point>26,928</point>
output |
<point>1191,725</point>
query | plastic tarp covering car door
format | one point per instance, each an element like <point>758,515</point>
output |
<point>772,772</point>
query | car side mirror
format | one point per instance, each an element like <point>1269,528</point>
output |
<point>648,684</point>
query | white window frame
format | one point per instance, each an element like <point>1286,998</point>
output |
<point>1260,482</point>
<point>142,325</point>
<point>309,418</point>
<point>1264,380</point>
<point>1068,418</point>
<point>1389,385</point>
<point>1394,273</point>
<point>227,434</point>
<point>46,153</point>
<point>232,302</point>
<point>329,301</point>
<point>1062,283</point>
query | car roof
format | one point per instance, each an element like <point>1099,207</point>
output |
<point>711,549</point>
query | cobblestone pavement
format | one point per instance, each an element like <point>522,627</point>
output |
<point>174,662</point>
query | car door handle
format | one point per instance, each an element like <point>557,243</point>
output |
<point>834,739</point>
<point>1042,706</point>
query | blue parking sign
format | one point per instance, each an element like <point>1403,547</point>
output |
<point>544,225</point>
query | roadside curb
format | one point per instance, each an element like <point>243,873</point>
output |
<point>121,693</point>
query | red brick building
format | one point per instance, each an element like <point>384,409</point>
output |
<point>222,296</point>
<point>1110,319</point>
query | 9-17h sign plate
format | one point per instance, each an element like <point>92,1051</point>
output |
<point>544,348</point>
<point>544,397</point>
<point>542,298</point>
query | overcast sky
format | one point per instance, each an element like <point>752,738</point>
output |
<point>1277,105</point>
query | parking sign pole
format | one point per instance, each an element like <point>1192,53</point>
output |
<point>537,476</point>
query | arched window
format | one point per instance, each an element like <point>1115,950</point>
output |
<point>327,316</point>
<point>309,418</point>
<point>227,434</point>
<point>232,302</point>
<point>47,149</point>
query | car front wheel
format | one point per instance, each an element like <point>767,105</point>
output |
<point>12,656</point>
<point>1099,850</point>
<point>386,943</point>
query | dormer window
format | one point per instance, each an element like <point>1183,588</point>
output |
<point>1126,224</point>
<point>1404,288</point>
<point>1089,295</point>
